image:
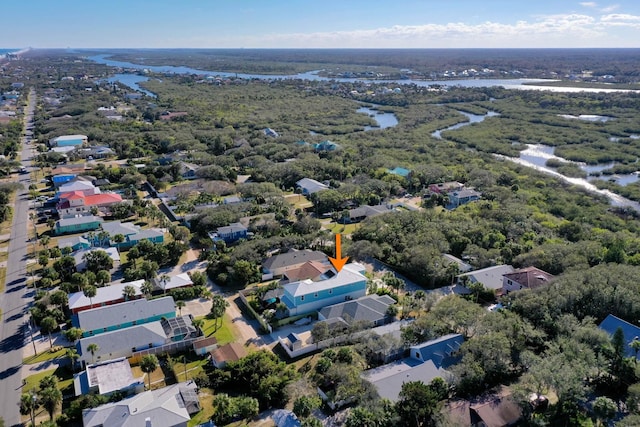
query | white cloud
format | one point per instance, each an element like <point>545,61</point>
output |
<point>545,31</point>
<point>590,4</point>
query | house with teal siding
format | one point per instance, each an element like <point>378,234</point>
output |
<point>126,314</point>
<point>331,288</point>
<point>69,141</point>
<point>77,224</point>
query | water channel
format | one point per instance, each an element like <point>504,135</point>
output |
<point>527,157</point>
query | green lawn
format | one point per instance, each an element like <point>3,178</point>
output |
<point>342,228</point>
<point>224,333</point>
<point>206,403</point>
<point>65,380</point>
<point>194,367</point>
<point>44,356</point>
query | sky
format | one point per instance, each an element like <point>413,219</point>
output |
<point>319,24</point>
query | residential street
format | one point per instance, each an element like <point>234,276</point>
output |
<point>15,299</point>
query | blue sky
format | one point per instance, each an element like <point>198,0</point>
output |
<point>320,23</point>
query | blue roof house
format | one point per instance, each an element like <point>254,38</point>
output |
<point>326,146</point>
<point>442,351</point>
<point>58,180</point>
<point>307,295</point>
<point>611,324</point>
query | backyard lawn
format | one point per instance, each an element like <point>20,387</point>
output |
<point>224,333</point>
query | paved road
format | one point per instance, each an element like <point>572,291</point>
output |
<point>15,299</point>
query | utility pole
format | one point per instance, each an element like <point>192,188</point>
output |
<point>35,352</point>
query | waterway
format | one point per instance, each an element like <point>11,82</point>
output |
<point>384,120</point>
<point>473,118</point>
<point>313,75</point>
<point>132,80</point>
<point>536,155</point>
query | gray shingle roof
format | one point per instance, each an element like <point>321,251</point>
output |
<point>125,312</point>
<point>115,342</point>
<point>371,308</point>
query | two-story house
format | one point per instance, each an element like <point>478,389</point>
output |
<point>308,295</point>
<point>230,233</point>
<point>76,203</point>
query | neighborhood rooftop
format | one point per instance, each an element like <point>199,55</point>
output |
<point>103,295</point>
<point>350,273</point>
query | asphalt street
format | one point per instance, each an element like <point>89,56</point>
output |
<point>14,302</point>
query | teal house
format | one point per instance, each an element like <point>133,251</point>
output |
<point>330,288</point>
<point>123,315</point>
<point>77,224</point>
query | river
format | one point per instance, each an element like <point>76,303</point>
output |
<point>524,84</point>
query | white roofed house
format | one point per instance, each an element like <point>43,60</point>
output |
<point>68,140</point>
<point>166,283</point>
<point>106,295</point>
<point>310,186</point>
<point>490,277</point>
<point>81,263</point>
<point>170,406</point>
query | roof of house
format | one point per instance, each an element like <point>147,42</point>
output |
<point>165,407</point>
<point>465,192</point>
<point>69,137</point>
<point>111,375</point>
<point>129,311</point>
<point>117,227</point>
<point>76,184</point>
<point>495,410</point>
<point>231,228</point>
<point>446,186</point>
<point>90,200</point>
<point>490,277</point>
<point>530,277</point>
<point>388,379</point>
<point>147,233</point>
<point>229,352</point>
<point>311,185</point>
<point>308,270</point>
<point>103,295</point>
<point>369,211</point>
<point>463,267</point>
<point>369,308</point>
<point>205,342</point>
<point>122,339</point>
<point>350,273</point>
<point>439,350</point>
<point>177,281</point>
<point>79,255</point>
<point>292,258</point>
<point>73,241</point>
<point>77,220</point>
<point>611,323</point>
<point>285,418</point>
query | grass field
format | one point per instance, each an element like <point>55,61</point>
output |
<point>224,333</point>
<point>206,403</point>
<point>44,356</point>
<point>342,228</point>
<point>65,380</point>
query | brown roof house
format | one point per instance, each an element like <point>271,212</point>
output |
<point>227,353</point>
<point>525,278</point>
<point>494,410</point>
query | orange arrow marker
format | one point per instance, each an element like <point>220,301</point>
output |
<point>338,262</point>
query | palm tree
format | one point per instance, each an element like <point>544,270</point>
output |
<point>73,356</point>
<point>198,324</point>
<point>93,348</point>
<point>48,325</point>
<point>148,364</point>
<point>128,292</point>
<point>180,304</point>
<point>45,240</point>
<point>90,291</point>
<point>103,277</point>
<point>635,345</point>
<point>50,398</point>
<point>103,237</point>
<point>147,288</point>
<point>218,307</point>
<point>164,279</point>
<point>29,404</point>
